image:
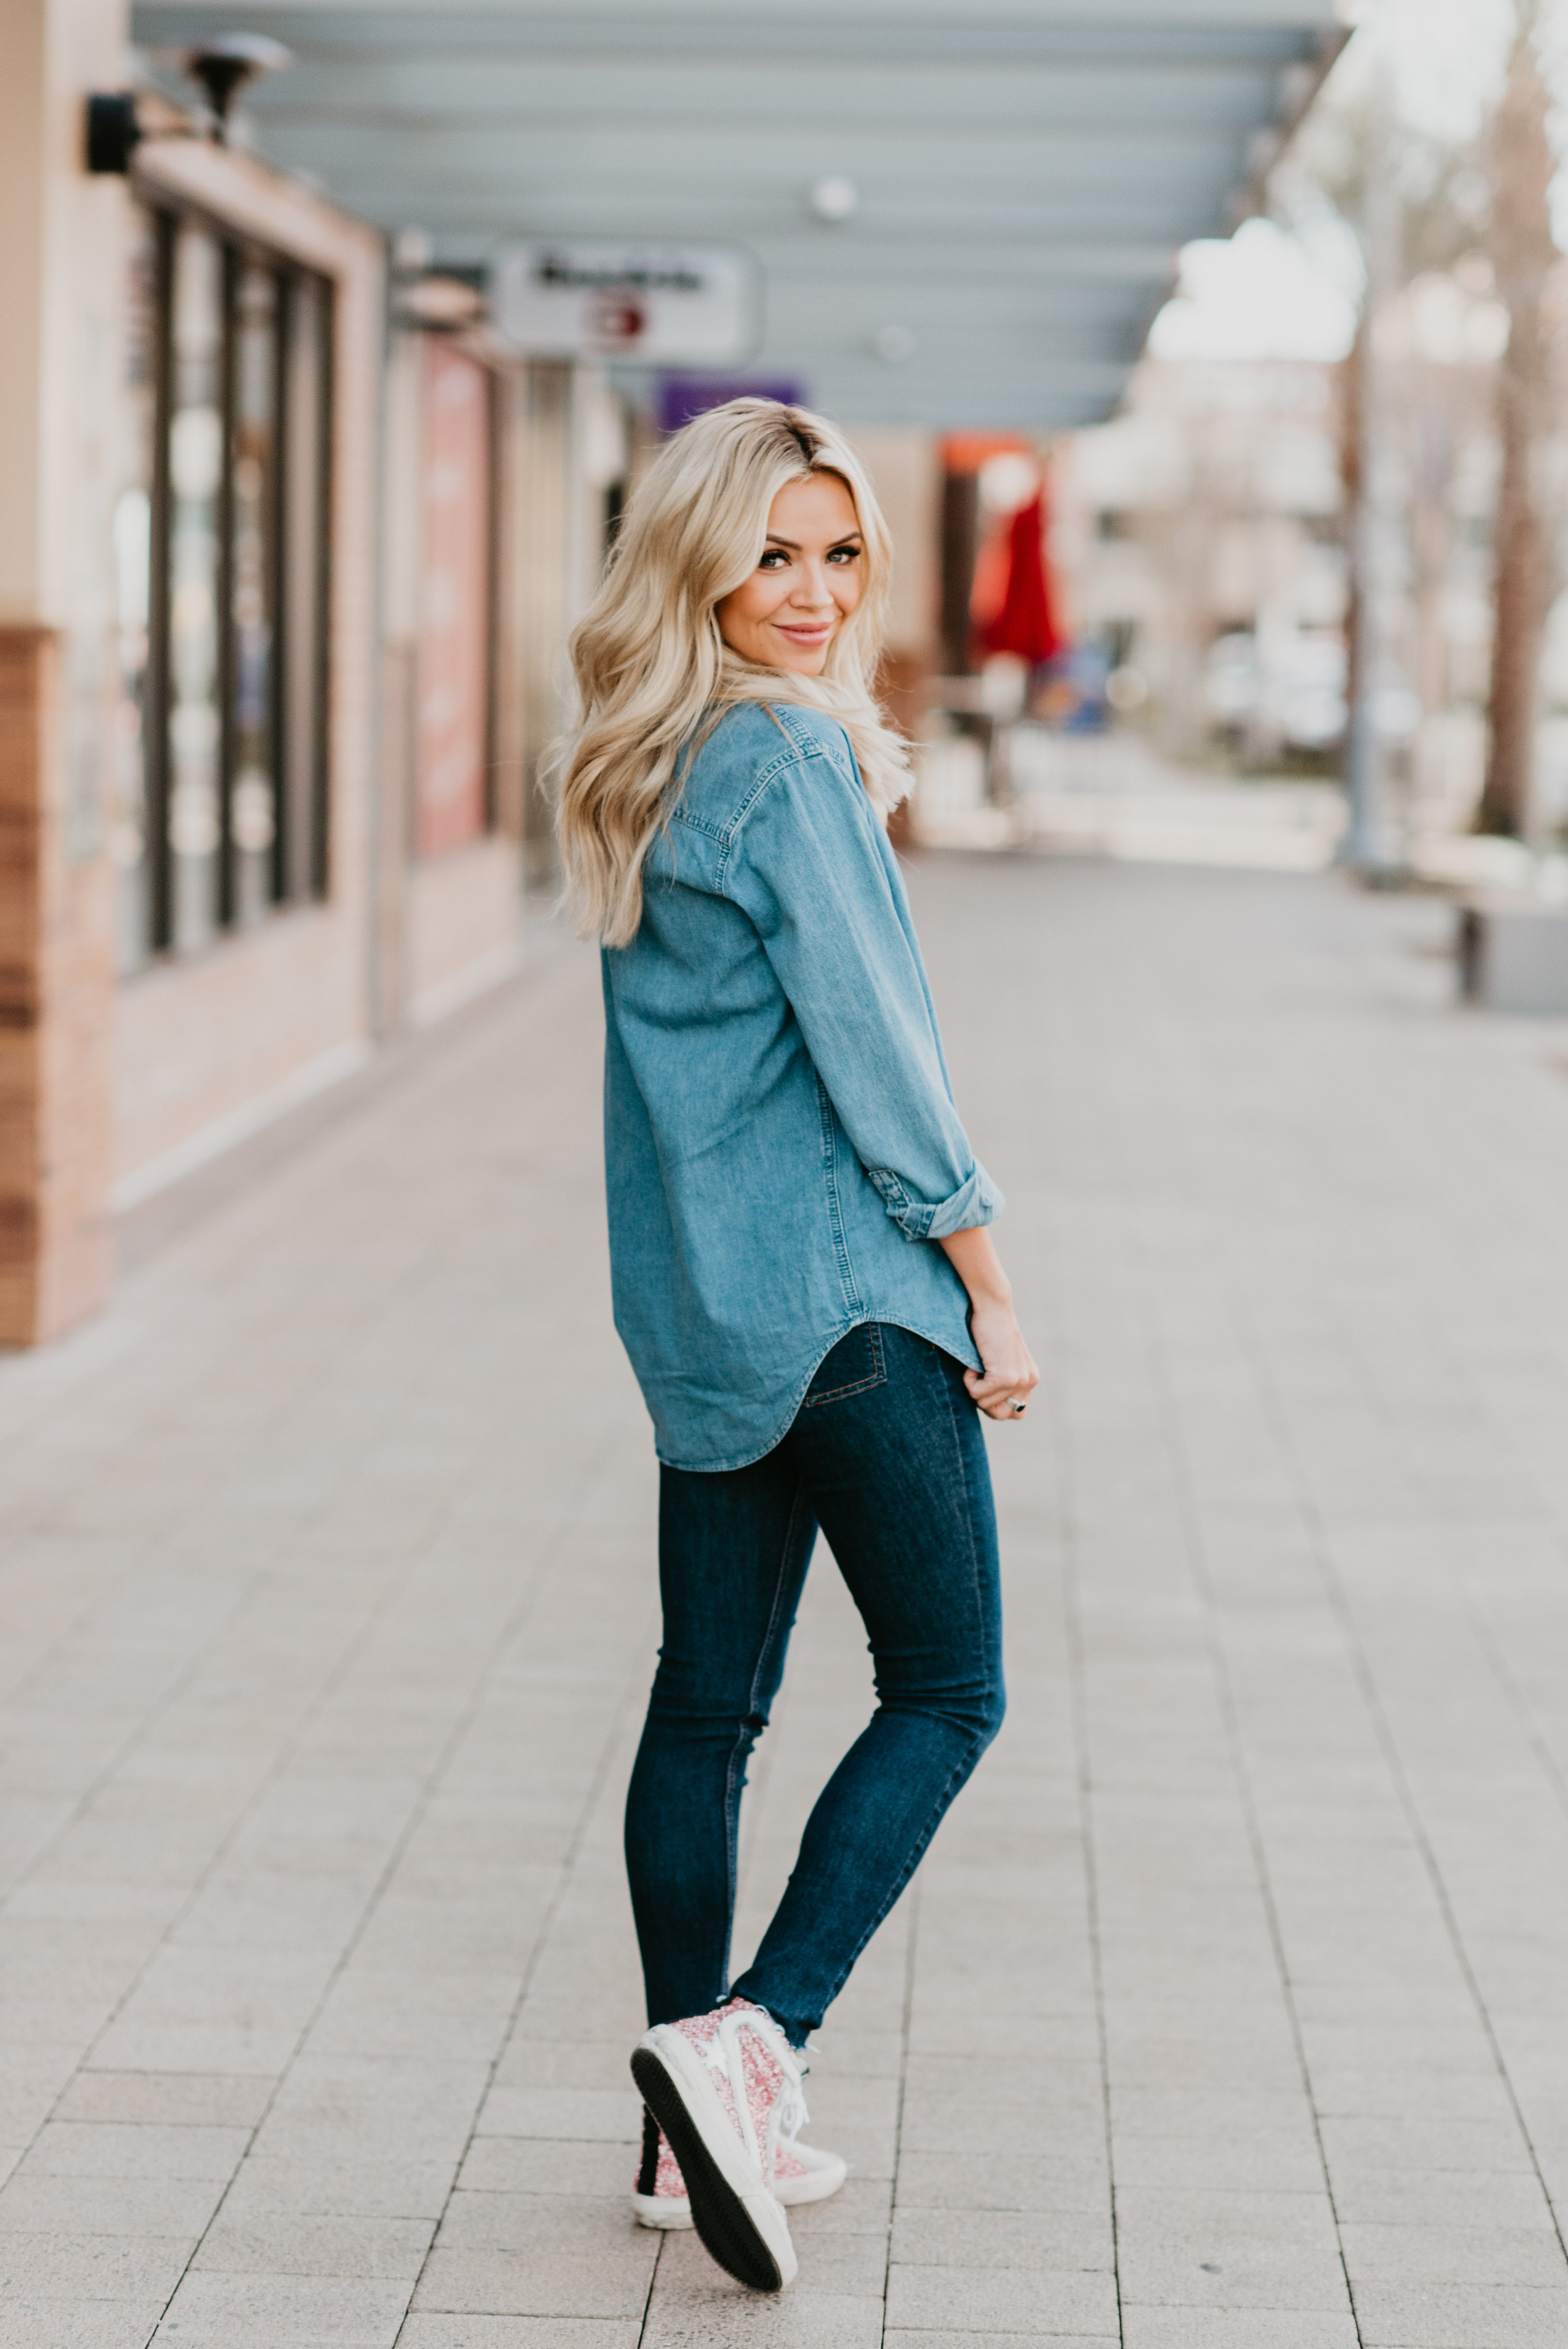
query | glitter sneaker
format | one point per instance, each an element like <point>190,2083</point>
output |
<point>800,2174</point>
<point>725,2089</point>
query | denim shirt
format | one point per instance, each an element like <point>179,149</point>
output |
<point>781,1144</point>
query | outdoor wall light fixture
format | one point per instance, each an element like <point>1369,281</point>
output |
<point>440,301</point>
<point>224,65</point>
<point>119,120</point>
<point>834,199</point>
<point>114,131</point>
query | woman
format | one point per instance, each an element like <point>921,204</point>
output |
<point>802,1277</point>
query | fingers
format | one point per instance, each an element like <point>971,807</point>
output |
<point>1003,1395</point>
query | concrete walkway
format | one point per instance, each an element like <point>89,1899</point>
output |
<point>1231,2010</point>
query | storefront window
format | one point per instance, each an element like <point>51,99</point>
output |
<point>452,771</point>
<point>220,562</point>
<point>252,599</point>
<point>133,557</point>
<point>196,472</point>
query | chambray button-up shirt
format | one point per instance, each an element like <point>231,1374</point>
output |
<point>781,1141</point>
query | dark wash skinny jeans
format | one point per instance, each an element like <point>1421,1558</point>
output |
<point>886,1455</point>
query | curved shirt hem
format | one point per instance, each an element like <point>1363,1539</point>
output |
<point>749,1459</point>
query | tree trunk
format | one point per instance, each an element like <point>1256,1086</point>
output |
<point>1351,468</point>
<point>1522,253</point>
<point>1518,613</point>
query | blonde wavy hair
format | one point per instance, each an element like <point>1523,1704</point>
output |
<point>654,675</point>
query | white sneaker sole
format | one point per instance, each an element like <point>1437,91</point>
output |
<point>740,2224</point>
<point>672,2211</point>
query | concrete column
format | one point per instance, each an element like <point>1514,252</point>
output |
<point>60,290</point>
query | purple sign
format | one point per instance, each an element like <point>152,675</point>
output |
<point>682,396</point>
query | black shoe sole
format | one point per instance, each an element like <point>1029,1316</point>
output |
<point>717,2213</point>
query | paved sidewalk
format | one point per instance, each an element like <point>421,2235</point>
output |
<point>1231,2010</point>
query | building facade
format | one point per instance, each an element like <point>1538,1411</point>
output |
<point>284,582</point>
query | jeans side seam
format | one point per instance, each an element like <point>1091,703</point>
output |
<point>978,1741</point>
<point>962,1770</point>
<point>743,1742</point>
<point>992,1663</point>
<point>765,1649</point>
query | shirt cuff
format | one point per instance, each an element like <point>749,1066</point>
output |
<point>976,1201</point>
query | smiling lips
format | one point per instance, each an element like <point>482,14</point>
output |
<point>805,632</point>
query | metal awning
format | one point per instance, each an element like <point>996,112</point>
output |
<point>1025,170</point>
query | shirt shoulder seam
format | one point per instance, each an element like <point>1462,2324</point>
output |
<point>796,756</point>
<point>696,824</point>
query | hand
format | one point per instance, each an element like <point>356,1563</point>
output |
<point>1010,1376</point>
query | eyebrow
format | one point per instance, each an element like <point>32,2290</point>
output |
<point>792,545</point>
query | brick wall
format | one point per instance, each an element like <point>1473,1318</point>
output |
<point>55,1004</point>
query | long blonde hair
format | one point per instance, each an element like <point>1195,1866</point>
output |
<point>654,675</point>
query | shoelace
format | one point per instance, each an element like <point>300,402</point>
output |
<point>792,2116</point>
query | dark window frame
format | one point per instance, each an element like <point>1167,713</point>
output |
<point>293,882</point>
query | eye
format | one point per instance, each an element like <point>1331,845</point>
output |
<point>844,554</point>
<point>773,557</point>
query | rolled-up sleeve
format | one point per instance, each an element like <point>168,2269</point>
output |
<point>808,865</point>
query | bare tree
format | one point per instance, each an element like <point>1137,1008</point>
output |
<point>1522,253</point>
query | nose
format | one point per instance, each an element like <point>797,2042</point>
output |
<point>812,589</point>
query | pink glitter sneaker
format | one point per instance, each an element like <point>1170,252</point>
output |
<point>800,2174</point>
<point>725,2089</point>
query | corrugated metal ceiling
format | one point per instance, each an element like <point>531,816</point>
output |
<point>1025,171</point>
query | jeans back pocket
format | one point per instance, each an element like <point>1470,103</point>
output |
<point>849,1368</point>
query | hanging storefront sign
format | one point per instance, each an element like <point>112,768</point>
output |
<point>671,306</point>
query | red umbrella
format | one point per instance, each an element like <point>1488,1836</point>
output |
<point>1024,621</point>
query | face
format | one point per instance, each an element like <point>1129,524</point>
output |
<point>807,582</point>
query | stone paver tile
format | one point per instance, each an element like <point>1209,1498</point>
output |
<point>1449,2143</point>
<point>990,2181</point>
<point>610,2278</point>
<point>338,2187</point>
<point>236,2046</point>
<point>973,2124</point>
<point>1002,2238</point>
<point>612,2113</point>
<point>917,2338</point>
<point>239,2311</point>
<point>1461,2317</point>
<point>377,2011</point>
<point>41,2203</point>
<point>1429,2255</point>
<point>939,2026</point>
<point>957,2300</point>
<point>1061,2090</point>
<point>512,2165</point>
<point>131,2150</point>
<point>1411,2094</point>
<point>1235,2271</point>
<point>300,2243</point>
<point>178,2097</point>
<point>91,2266</point>
<point>1440,2198</point>
<point>688,2311</point>
<point>28,2323</point>
<point>549,2223</point>
<point>862,2206</point>
<point>1175,2214</point>
<point>424,2331</point>
<point>538,2065</point>
<point>1235,2328</point>
<point>1285,2162</point>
